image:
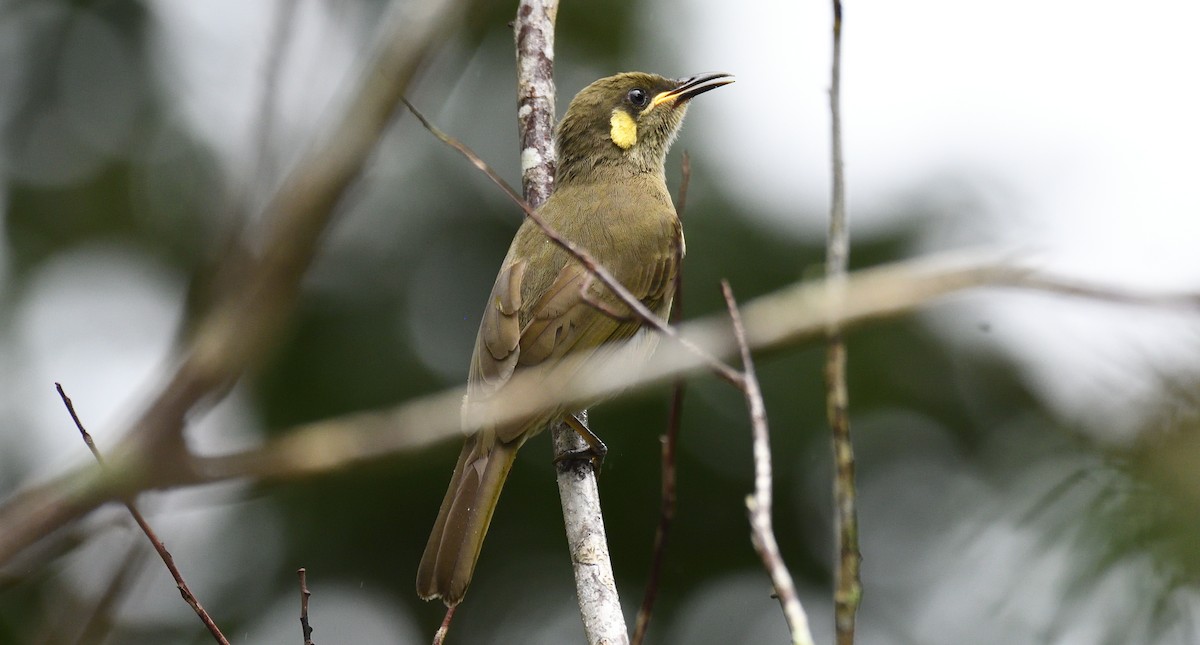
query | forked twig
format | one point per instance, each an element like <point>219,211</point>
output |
<point>762,531</point>
<point>184,590</point>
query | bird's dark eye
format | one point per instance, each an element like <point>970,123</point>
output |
<point>638,97</point>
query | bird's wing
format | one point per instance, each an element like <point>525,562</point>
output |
<point>497,347</point>
<point>576,314</point>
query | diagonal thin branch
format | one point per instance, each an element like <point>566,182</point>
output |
<point>163,553</point>
<point>762,532</point>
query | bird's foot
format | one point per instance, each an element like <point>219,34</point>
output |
<point>595,451</point>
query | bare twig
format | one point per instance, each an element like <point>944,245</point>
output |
<point>666,512</point>
<point>305,594</point>
<point>762,531</point>
<point>184,591</point>
<point>847,585</point>
<point>439,636</point>
<point>237,332</point>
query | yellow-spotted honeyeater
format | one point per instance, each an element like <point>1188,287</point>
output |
<point>610,197</point>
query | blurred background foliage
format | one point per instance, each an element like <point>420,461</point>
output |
<point>986,517</point>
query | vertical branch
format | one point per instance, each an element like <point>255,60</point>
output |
<point>305,628</point>
<point>666,514</point>
<point>762,529</point>
<point>534,29</point>
<point>595,586</point>
<point>599,604</point>
<point>847,586</point>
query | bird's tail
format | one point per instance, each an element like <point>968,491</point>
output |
<point>453,548</point>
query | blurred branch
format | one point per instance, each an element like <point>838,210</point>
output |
<point>242,328</point>
<point>784,318</point>
<point>788,317</point>
<point>762,530</point>
<point>97,621</point>
<point>163,553</point>
<point>846,581</point>
<point>666,512</point>
<point>281,35</point>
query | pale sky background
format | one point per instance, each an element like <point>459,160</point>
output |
<point>1076,123</point>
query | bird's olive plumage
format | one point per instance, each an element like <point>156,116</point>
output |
<point>610,197</point>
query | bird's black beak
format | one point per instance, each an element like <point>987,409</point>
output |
<point>690,88</point>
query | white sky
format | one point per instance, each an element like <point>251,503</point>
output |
<point>1078,122</point>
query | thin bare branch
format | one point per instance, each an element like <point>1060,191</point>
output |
<point>305,594</point>
<point>439,637</point>
<point>762,530</point>
<point>666,511</point>
<point>163,553</point>
<point>847,583</point>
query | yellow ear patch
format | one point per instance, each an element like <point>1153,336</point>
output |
<point>624,129</point>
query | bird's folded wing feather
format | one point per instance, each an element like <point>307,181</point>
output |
<point>563,320</point>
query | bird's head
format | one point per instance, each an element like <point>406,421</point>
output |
<point>625,123</point>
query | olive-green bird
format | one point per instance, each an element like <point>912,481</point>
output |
<point>610,197</point>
